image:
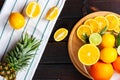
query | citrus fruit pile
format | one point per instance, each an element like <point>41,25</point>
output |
<point>101,47</point>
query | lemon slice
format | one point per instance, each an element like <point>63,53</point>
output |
<point>95,38</point>
<point>52,13</point>
<point>32,9</point>
<point>93,25</point>
<point>88,54</point>
<point>83,29</point>
<point>60,34</point>
<point>102,21</point>
<point>117,29</point>
<point>113,21</point>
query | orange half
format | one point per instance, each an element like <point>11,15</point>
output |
<point>88,54</point>
<point>33,9</point>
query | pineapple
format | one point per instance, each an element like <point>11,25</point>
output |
<point>18,58</point>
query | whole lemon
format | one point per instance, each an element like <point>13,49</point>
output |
<point>108,55</point>
<point>16,20</point>
<point>108,40</point>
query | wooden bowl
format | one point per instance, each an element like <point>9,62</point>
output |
<point>74,43</point>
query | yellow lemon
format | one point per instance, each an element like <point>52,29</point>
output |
<point>52,13</point>
<point>33,9</point>
<point>60,34</point>
<point>88,54</point>
<point>93,25</point>
<point>16,20</point>
<point>113,21</point>
<point>108,55</point>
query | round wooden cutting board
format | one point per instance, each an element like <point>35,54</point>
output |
<point>74,43</point>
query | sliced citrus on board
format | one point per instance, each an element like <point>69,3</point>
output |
<point>116,64</point>
<point>95,38</point>
<point>33,9</point>
<point>102,21</point>
<point>16,20</point>
<point>117,29</point>
<point>52,13</point>
<point>88,54</point>
<point>60,34</point>
<point>83,29</point>
<point>108,40</point>
<point>93,24</point>
<point>113,21</point>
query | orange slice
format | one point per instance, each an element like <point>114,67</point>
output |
<point>16,20</point>
<point>102,21</point>
<point>93,24</point>
<point>88,54</point>
<point>32,9</point>
<point>83,29</point>
<point>117,29</point>
<point>52,13</point>
<point>113,21</point>
<point>60,34</point>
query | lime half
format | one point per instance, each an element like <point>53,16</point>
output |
<point>95,38</point>
<point>118,50</point>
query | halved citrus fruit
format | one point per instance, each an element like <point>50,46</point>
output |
<point>60,34</point>
<point>83,29</point>
<point>118,50</point>
<point>102,21</point>
<point>16,20</point>
<point>117,29</point>
<point>93,25</point>
<point>113,21</point>
<point>88,54</point>
<point>95,38</point>
<point>52,13</point>
<point>33,9</point>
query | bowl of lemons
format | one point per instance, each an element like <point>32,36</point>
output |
<point>94,45</point>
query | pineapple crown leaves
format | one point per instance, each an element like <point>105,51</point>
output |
<point>19,57</point>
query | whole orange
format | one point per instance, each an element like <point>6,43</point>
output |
<point>16,20</point>
<point>101,71</point>
<point>108,55</point>
<point>116,64</point>
<point>108,40</point>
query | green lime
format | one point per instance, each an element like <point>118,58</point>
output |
<point>95,38</point>
<point>118,50</point>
